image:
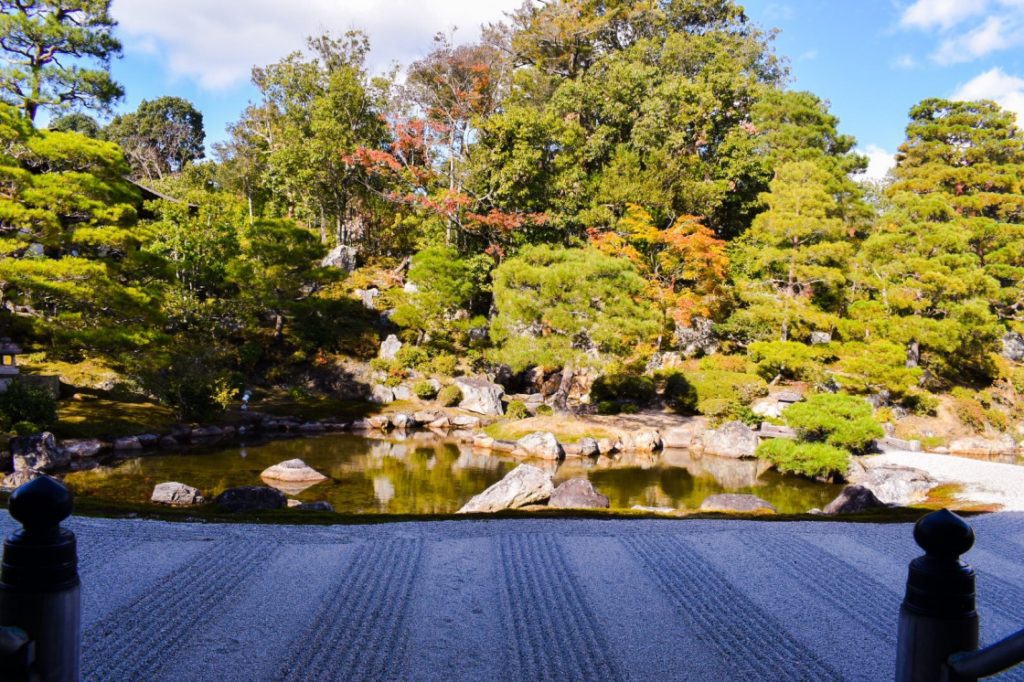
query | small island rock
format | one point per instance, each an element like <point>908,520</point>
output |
<point>176,494</point>
<point>524,485</point>
<point>292,470</point>
<point>577,493</point>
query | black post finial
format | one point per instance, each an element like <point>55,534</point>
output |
<point>41,504</point>
<point>943,535</point>
<point>938,582</point>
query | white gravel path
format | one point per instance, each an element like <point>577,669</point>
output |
<point>515,600</point>
<point>983,482</point>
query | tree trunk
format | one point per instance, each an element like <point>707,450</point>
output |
<point>561,397</point>
<point>913,354</point>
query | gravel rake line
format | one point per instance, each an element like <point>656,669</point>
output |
<point>1001,596</point>
<point>136,640</point>
<point>869,603</point>
<point>359,632</point>
<point>753,644</point>
<point>553,633</point>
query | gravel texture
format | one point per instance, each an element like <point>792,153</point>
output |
<point>516,600</point>
<point>982,482</point>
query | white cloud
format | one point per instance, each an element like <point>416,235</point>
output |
<point>996,85</point>
<point>995,33</point>
<point>967,29</point>
<point>904,61</point>
<point>944,14</point>
<point>216,43</point>
<point>880,162</point>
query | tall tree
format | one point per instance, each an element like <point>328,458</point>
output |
<point>159,137</point>
<point>48,44</point>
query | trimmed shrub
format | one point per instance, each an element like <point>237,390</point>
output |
<point>608,407</point>
<point>788,359</point>
<point>843,421</point>
<point>679,393</point>
<point>517,410</point>
<point>424,390</point>
<point>450,395</point>
<point>22,402</point>
<point>622,387</point>
<point>410,357</point>
<point>808,459</point>
<point>545,410</point>
<point>24,428</point>
<point>444,364</point>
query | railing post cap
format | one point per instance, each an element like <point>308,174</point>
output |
<point>41,504</point>
<point>944,535</point>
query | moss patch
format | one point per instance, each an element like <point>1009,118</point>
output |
<point>101,418</point>
<point>565,429</point>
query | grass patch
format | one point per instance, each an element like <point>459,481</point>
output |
<point>101,418</point>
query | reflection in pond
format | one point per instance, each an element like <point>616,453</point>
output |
<point>424,474</point>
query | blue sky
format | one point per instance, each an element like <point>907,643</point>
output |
<point>872,59</point>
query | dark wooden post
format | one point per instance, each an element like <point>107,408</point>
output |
<point>39,588</point>
<point>938,616</point>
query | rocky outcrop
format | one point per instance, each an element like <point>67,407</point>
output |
<point>38,452</point>
<point>976,445</point>
<point>733,439</point>
<point>251,498</point>
<point>697,339</point>
<point>389,348</point>
<point>341,257</point>
<point>18,478</point>
<point>127,443</point>
<point>577,493</point>
<point>176,494</point>
<point>382,395</point>
<point>1013,347</point>
<point>895,485</point>
<point>526,484</point>
<point>292,470</point>
<point>682,436</point>
<point>853,498</point>
<point>480,395</point>
<point>463,421</point>
<point>729,502</point>
<point>540,444</point>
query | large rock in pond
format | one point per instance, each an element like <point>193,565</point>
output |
<point>18,478</point>
<point>389,348</point>
<point>176,494</point>
<point>526,484</point>
<point>729,502</point>
<point>577,493</point>
<point>854,498</point>
<point>251,498</point>
<point>647,440</point>
<point>480,396</point>
<point>38,452</point>
<point>733,439</point>
<point>292,470</point>
<point>896,485</point>
<point>84,448</point>
<point>542,444</point>
<point>589,447</point>
<point>682,436</point>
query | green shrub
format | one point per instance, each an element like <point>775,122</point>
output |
<point>424,390</point>
<point>679,393</point>
<point>623,387</point>
<point>997,419</point>
<point>443,364</point>
<point>843,421</point>
<point>410,357</point>
<point>807,459</point>
<point>724,363</point>
<point>737,387</point>
<point>545,410</point>
<point>630,408</point>
<point>517,410</point>
<point>23,402</point>
<point>25,428</point>
<point>608,407</point>
<point>920,402</point>
<point>450,395</point>
<point>788,359</point>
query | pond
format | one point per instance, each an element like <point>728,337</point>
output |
<point>425,474</point>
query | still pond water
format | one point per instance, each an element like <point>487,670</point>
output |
<point>424,474</point>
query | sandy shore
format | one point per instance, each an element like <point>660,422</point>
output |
<point>983,482</point>
<point>516,600</point>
